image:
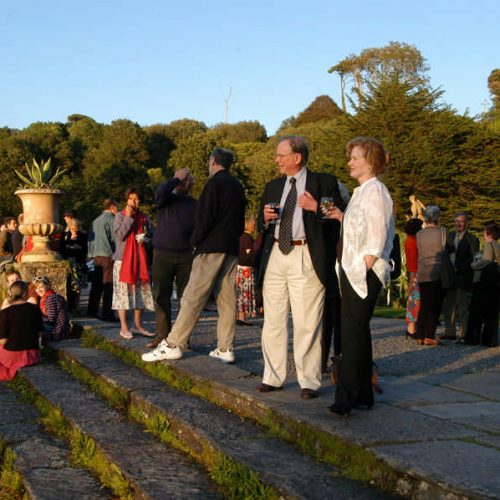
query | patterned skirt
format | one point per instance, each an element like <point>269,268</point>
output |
<point>413,304</point>
<point>245,290</point>
<point>127,297</point>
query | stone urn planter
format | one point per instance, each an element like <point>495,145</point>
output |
<point>41,211</point>
<point>40,201</point>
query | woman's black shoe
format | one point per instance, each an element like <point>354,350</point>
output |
<point>410,335</point>
<point>339,411</point>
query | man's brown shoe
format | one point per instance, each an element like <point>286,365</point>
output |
<point>309,394</point>
<point>267,388</point>
<point>431,342</point>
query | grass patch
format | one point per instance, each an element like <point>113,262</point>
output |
<point>158,371</point>
<point>86,454</point>
<point>84,451</point>
<point>117,397</point>
<point>11,483</point>
<point>352,460</point>
<point>235,480</point>
<point>390,312</point>
<point>238,480</point>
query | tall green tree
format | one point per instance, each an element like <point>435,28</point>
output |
<point>373,66</point>
<point>425,139</point>
<point>119,161</point>
<point>245,131</point>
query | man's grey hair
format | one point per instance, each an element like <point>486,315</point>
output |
<point>431,214</point>
<point>298,145</point>
<point>464,214</point>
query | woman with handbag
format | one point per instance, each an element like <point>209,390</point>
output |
<point>131,284</point>
<point>431,246</point>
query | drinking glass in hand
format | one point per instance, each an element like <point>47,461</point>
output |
<point>326,203</point>
<point>276,209</point>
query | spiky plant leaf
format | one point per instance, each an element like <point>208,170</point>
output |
<point>41,175</point>
<point>25,180</point>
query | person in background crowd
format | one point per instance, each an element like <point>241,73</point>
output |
<point>219,224</point>
<point>6,249</point>
<point>172,253</point>
<point>21,327</point>
<point>17,238</point>
<point>411,228</point>
<point>68,216</point>
<point>101,247</point>
<point>245,275</point>
<point>54,310</point>
<point>431,251</point>
<point>13,276</point>
<point>457,299</point>
<point>74,249</point>
<point>368,234</point>
<point>483,318</point>
<point>131,284</point>
<point>297,264</point>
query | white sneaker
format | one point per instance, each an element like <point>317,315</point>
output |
<point>163,351</point>
<point>225,356</point>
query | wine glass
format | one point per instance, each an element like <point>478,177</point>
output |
<point>326,203</point>
<point>276,208</point>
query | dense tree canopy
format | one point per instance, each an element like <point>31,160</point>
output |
<point>439,155</point>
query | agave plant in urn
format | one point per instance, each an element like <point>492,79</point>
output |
<point>40,199</point>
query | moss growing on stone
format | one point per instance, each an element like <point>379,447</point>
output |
<point>86,454</point>
<point>236,480</point>
<point>84,450</point>
<point>353,460</point>
<point>11,483</point>
<point>117,397</point>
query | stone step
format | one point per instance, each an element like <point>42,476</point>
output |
<point>368,446</point>
<point>208,430</point>
<point>140,466</point>
<point>41,461</point>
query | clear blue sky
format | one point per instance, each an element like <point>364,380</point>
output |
<point>154,61</point>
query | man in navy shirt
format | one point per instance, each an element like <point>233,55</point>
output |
<point>172,254</point>
<point>219,225</point>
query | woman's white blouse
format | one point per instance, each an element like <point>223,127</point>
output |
<point>368,229</point>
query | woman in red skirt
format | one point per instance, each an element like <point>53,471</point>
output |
<point>21,327</point>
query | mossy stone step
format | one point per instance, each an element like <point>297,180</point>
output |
<point>42,461</point>
<point>203,426</point>
<point>151,469</point>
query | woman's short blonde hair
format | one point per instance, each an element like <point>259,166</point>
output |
<point>74,224</point>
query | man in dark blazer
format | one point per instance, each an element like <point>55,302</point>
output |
<point>457,299</point>
<point>297,264</point>
<point>219,224</point>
